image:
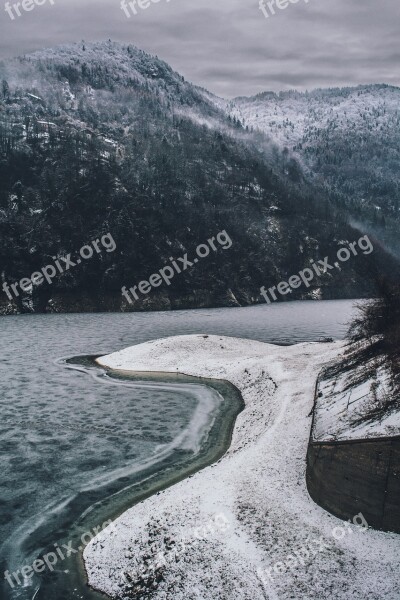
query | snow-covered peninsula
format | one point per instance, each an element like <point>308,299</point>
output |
<point>245,527</point>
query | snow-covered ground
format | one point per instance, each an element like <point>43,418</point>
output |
<point>341,411</point>
<point>250,529</point>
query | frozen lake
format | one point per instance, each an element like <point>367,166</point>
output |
<point>69,440</point>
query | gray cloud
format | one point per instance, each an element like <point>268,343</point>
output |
<point>228,46</point>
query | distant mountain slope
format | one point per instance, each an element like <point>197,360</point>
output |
<point>348,139</point>
<point>103,138</point>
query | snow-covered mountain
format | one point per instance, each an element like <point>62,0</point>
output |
<point>347,139</point>
<point>102,137</point>
<point>293,118</point>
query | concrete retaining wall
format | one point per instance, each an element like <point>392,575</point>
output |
<point>348,477</point>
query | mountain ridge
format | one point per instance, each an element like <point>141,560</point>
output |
<point>347,139</point>
<point>102,137</point>
<point>316,91</point>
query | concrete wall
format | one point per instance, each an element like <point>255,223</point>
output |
<point>355,476</point>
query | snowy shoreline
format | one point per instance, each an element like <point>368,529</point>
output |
<point>258,487</point>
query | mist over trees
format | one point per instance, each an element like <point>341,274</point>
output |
<point>348,141</point>
<point>98,138</point>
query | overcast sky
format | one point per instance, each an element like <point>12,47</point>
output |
<point>228,46</point>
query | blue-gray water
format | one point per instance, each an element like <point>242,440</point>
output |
<point>66,434</point>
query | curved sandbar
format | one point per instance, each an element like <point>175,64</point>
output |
<point>258,487</point>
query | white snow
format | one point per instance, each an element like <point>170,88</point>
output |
<point>340,408</point>
<point>259,486</point>
<point>291,118</point>
<point>34,97</point>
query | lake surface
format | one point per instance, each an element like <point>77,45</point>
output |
<point>75,443</point>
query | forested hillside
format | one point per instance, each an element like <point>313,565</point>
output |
<point>347,139</point>
<point>103,138</point>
